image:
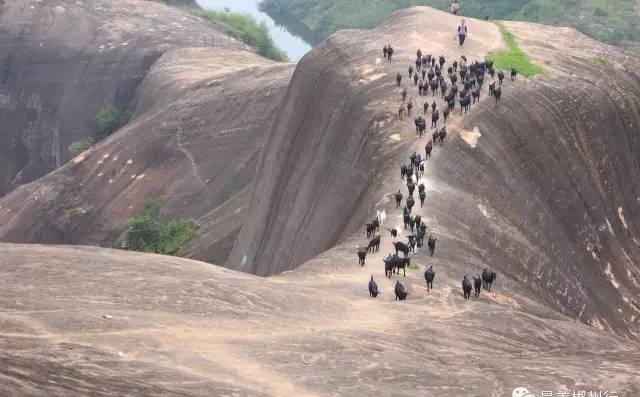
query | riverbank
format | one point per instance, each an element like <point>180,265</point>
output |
<point>246,28</point>
<point>287,33</point>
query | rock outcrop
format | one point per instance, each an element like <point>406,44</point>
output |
<point>540,184</point>
<point>62,61</point>
<point>80,321</point>
<point>201,118</point>
<point>538,187</point>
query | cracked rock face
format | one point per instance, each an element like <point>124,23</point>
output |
<point>61,61</point>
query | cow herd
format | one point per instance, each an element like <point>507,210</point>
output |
<point>428,76</point>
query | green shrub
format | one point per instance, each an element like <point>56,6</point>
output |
<point>514,57</point>
<point>80,146</point>
<point>144,233</point>
<point>245,27</point>
<point>599,12</point>
<point>109,119</point>
<point>149,231</point>
<point>176,234</point>
<point>601,60</point>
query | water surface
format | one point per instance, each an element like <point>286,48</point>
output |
<point>281,27</point>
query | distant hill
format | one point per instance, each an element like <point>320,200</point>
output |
<point>612,21</point>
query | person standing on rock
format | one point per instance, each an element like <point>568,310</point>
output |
<point>462,32</point>
<point>455,7</point>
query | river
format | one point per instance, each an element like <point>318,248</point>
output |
<point>287,34</point>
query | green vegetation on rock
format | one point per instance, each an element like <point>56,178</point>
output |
<point>244,27</point>
<point>601,60</point>
<point>80,146</point>
<point>513,57</point>
<point>613,21</point>
<point>108,120</point>
<point>150,231</point>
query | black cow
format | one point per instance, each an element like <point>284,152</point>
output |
<point>394,232</point>
<point>477,286</point>
<point>420,239</point>
<point>465,103</point>
<point>434,118</point>
<point>428,148</point>
<point>398,197</point>
<point>423,196</point>
<point>389,265</point>
<point>407,220</point>
<point>466,288</point>
<point>433,84</point>
<point>374,244</point>
<point>476,94</point>
<point>410,71</point>
<point>429,276</point>
<point>373,288</point>
<point>488,277</point>
<point>431,243</point>
<point>500,76</point>
<point>362,253</point>
<point>497,93</point>
<point>398,79</point>
<point>492,88</point>
<point>372,227</point>
<point>514,74</point>
<point>411,186</point>
<point>409,171</point>
<point>402,247</point>
<point>410,201</point>
<point>400,292</point>
<point>442,134</point>
<point>401,263</point>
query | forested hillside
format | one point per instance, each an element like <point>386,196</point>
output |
<point>612,21</point>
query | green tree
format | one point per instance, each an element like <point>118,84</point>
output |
<point>144,233</point>
<point>109,119</point>
<point>149,230</point>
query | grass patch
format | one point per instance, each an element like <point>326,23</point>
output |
<point>514,57</point>
<point>413,266</point>
<point>246,28</point>
<point>80,146</point>
<point>601,60</point>
<point>150,230</point>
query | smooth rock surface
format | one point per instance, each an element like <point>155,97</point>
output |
<point>62,61</point>
<point>194,138</point>
<point>184,328</point>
